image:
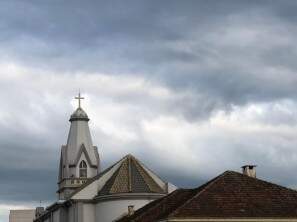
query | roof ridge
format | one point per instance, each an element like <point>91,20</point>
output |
<point>272,195</point>
<point>142,170</point>
<point>147,168</point>
<point>107,183</point>
<point>158,202</point>
<point>207,185</point>
<point>129,173</point>
<point>263,181</point>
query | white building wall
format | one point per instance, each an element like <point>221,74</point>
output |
<point>56,216</point>
<point>72,172</point>
<point>89,213</point>
<point>71,214</point>
<point>110,210</point>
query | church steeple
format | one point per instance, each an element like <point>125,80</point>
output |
<point>79,158</point>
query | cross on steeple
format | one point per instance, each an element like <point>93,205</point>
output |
<point>79,98</point>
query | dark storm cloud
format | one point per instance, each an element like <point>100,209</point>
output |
<point>27,166</point>
<point>179,43</point>
<point>27,185</point>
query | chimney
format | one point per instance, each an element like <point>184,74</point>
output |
<point>249,170</point>
<point>130,210</point>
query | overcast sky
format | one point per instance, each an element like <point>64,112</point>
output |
<point>191,88</point>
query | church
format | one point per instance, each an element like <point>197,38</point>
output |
<point>86,193</point>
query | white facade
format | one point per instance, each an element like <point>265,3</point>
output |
<point>110,210</point>
<point>102,211</point>
<point>89,212</point>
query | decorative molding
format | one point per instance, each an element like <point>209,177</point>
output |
<point>149,196</point>
<point>231,220</point>
<point>83,149</point>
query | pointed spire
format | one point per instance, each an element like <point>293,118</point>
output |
<point>79,113</point>
<point>79,148</point>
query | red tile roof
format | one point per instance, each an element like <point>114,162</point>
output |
<point>230,195</point>
<point>155,210</point>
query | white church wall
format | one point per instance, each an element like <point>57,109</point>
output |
<point>110,210</point>
<point>63,214</point>
<point>89,213</point>
<point>79,211</point>
<point>72,172</point>
<point>56,216</point>
<point>92,172</point>
<point>71,213</point>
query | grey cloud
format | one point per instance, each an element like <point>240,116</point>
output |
<point>28,168</point>
<point>27,185</point>
<point>112,38</point>
<point>211,55</point>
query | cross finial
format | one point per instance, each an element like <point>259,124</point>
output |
<point>79,98</point>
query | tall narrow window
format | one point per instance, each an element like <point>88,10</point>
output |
<point>83,169</point>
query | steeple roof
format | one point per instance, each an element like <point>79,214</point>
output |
<point>131,177</point>
<point>79,137</point>
<point>79,114</point>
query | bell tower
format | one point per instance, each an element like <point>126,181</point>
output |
<point>79,159</point>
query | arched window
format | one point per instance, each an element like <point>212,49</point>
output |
<point>83,169</point>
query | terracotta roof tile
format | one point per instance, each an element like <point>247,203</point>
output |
<point>235,195</point>
<point>160,207</point>
<point>230,195</point>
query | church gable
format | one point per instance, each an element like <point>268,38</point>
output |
<point>126,176</point>
<point>83,153</point>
